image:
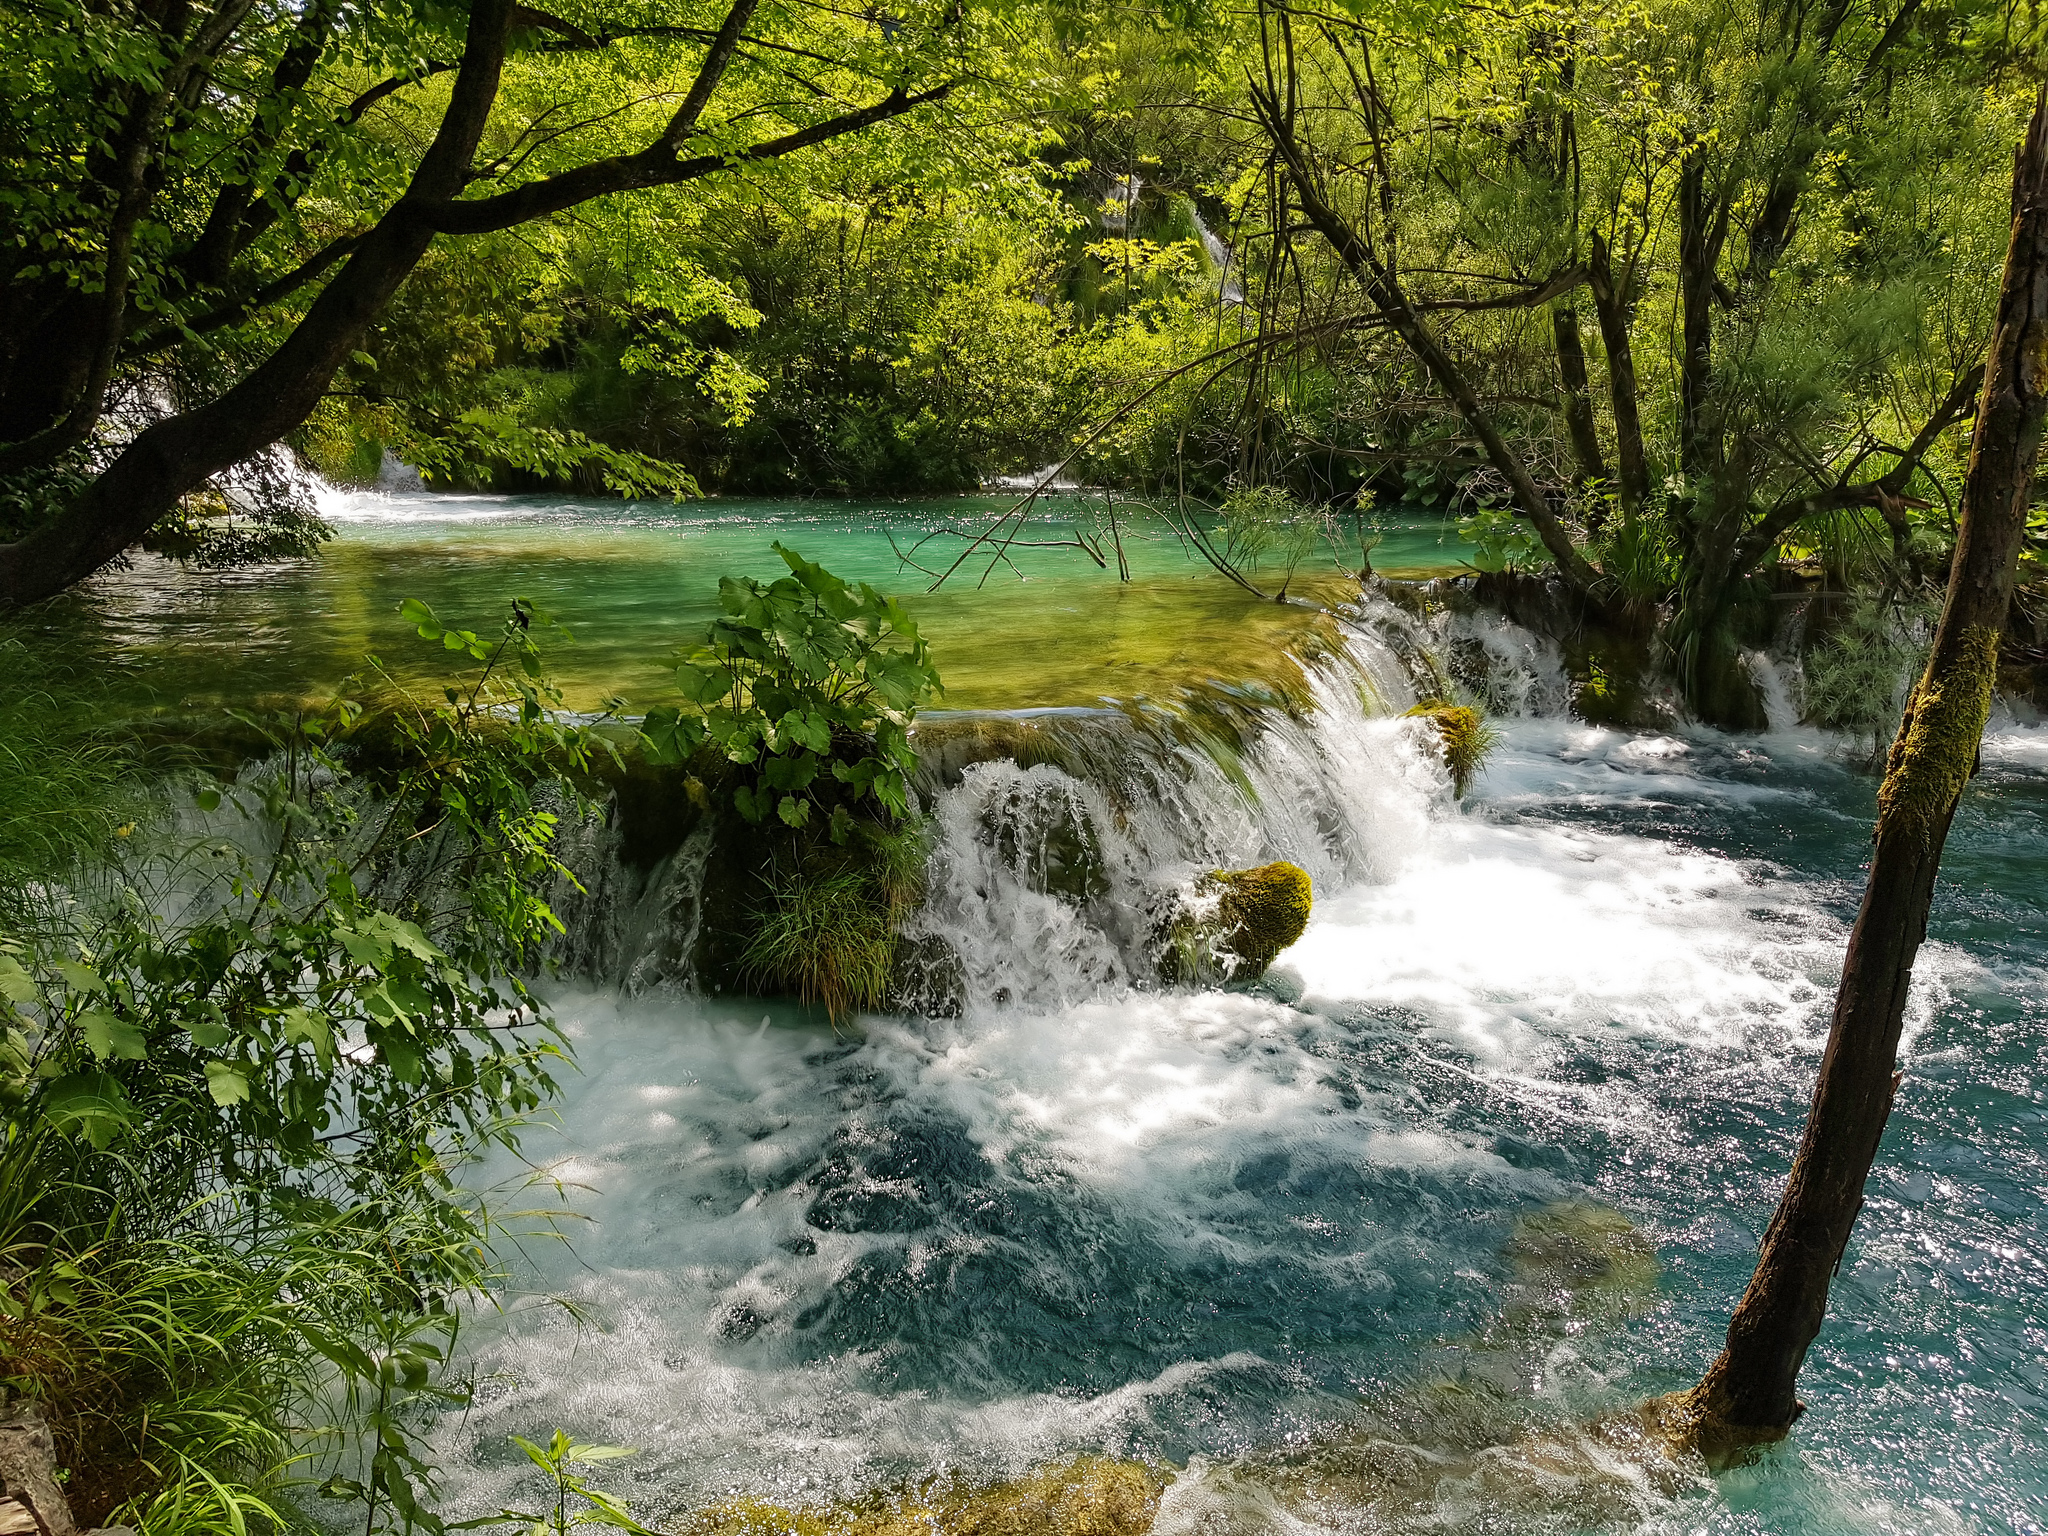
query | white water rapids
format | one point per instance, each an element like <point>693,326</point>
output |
<point>1093,1214</point>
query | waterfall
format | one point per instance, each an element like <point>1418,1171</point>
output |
<point>1221,257</point>
<point>1119,208</point>
<point>1058,838</point>
<point>1050,477</point>
<point>394,475</point>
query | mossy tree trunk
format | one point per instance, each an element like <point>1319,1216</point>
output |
<point>1747,1395</point>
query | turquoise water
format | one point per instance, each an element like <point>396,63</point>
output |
<point>633,581</point>
<point>1286,1242</point>
<point>1279,1239</point>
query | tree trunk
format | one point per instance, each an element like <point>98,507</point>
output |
<point>1578,400</point>
<point>1747,1396</point>
<point>1699,255</point>
<point>1611,304</point>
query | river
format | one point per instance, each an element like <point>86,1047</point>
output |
<point>1362,1247</point>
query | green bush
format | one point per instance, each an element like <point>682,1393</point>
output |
<point>807,685</point>
<point>241,1074</point>
<point>1857,676</point>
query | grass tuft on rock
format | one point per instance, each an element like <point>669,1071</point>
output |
<point>1464,737</point>
<point>827,928</point>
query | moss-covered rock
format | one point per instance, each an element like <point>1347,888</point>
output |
<point>1088,1496</point>
<point>1233,923</point>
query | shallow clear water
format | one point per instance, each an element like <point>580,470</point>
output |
<point>633,581</point>
<point>1270,1236</point>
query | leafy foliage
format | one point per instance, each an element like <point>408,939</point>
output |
<point>559,1459</point>
<point>1264,525</point>
<point>1858,675</point>
<point>808,685</point>
<point>270,1047</point>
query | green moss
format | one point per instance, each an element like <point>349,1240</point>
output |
<point>1236,924</point>
<point>1264,910</point>
<point>1463,736</point>
<point>1936,749</point>
<point>1088,1496</point>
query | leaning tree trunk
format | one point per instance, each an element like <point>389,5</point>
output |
<point>1747,1396</point>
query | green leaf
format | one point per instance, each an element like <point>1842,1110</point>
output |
<point>418,614</point>
<point>16,985</point>
<point>80,978</point>
<point>794,811</point>
<point>365,948</point>
<point>601,1452</point>
<point>208,1034</point>
<point>89,1104</point>
<point>227,1084</point>
<point>703,685</point>
<point>108,1034</point>
<point>302,1024</point>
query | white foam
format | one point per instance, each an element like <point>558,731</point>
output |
<point>1491,941</point>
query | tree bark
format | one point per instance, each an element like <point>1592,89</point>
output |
<point>1611,305</point>
<point>1702,228</point>
<point>1747,1396</point>
<point>1578,399</point>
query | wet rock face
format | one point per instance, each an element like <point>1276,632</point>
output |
<point>1233,923</point>
<point>31,1501</point>
<point>928,978</point>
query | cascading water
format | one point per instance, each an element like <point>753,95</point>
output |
<point>1333,1252</point>
<point>1221,258</point>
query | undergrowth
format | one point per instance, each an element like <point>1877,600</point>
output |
<point>249,1041</point>
<point>826,929</point>
<point>71,784</point>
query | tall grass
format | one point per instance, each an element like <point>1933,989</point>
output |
<point>826,929</point>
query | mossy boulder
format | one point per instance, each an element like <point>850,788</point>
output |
<point>1233,923</point>
<point>1088,1496</point>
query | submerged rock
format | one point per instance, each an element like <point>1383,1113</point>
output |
<point>1485,1439</point>
<point>1233,923</point>
<point>1088,1496</point>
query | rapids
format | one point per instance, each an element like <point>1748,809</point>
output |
<point>1298,1245</point>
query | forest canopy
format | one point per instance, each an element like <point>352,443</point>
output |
<point>1660,297</point>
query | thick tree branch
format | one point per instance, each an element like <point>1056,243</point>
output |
<point>238,310</point>
<point>653,168</point>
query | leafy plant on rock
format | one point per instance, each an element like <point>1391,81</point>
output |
<point>808,685</point>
